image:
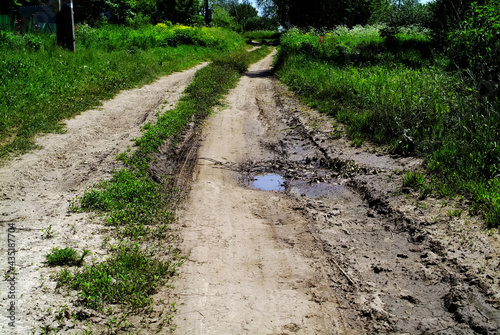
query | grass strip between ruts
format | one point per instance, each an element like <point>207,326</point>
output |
<point>136,204</point>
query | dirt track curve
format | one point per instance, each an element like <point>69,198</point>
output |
<point>338,248</point>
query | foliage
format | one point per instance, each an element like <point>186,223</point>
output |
<point>99,12</point>
<point>222,18</point>
<point>241,16</point>
<point>66,256</point>
<point>321,13</point>
<point>408,13</point>
<point>263,36</point>
<point>41,84</point>
<point>447,16</point>
<point>397,93</point>
<point>475,45</point>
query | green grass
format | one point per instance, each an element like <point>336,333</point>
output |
<point>138,206</point>
<point>42,84</point>
<point>129,278</point>
<point>66,256</point>
<point>396,92</point>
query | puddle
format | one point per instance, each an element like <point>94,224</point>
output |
<point>269,182</point>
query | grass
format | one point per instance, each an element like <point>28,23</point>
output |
<point>66,256</point>
<point>129,277</point>
<point>262,36</point>
<point>137,205</point>
<point>42,84</point>
<point>393,90</point>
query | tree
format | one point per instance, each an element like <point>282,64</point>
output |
<point>222,18</point>
<point>177,11</point>
<point>408,12</point>
<point>318,13</point>
<point>447,15</point>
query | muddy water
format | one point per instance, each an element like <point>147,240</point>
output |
<point>269,182</point>
<point>392,275</point>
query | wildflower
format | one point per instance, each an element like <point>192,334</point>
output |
<point>322,39</point>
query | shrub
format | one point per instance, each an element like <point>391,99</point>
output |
<point>475,45</point>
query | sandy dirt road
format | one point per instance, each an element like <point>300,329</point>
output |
<point>342,248</point>
<point>36,190</point>
<point>241,277</point>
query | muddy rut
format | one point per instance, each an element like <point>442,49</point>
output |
<point>337,246</point>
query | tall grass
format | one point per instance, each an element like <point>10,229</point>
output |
<point>395,91</point>
<point>42,84</point>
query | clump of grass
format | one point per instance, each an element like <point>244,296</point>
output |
<point>414,179</point>
<point>129,278</point>
<point>66,256</point>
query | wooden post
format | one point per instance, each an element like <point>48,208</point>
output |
<point>208,14</point>
<point>65,25</point>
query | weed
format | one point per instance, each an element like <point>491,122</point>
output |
<point>414,179</point>
<point>48,232</point>
<point>455,213</point>
<point>66,256</point>
<point>357,142</point>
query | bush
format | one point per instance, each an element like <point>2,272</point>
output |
<point>475,45</point>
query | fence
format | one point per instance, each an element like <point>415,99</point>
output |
<point>32,19</point>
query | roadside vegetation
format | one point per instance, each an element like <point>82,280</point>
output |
<point>42,84</point>
<point>396,86</point>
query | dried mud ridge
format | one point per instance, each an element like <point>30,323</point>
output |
<point>398,263</point>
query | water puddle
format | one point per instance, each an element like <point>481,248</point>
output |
<point>269,182</point>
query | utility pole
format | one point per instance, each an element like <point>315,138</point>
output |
<point>208,14</point>
<point>65,25</point>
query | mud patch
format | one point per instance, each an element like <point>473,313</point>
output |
<point>392,272</point>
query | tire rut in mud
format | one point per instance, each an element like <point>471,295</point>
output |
<point>393,274</point>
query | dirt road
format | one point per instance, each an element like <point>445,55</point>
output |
<point>340,249</point>
<point>241,276</point>
<point>339,246</point>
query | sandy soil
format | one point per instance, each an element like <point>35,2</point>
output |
<point>339,248</point>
